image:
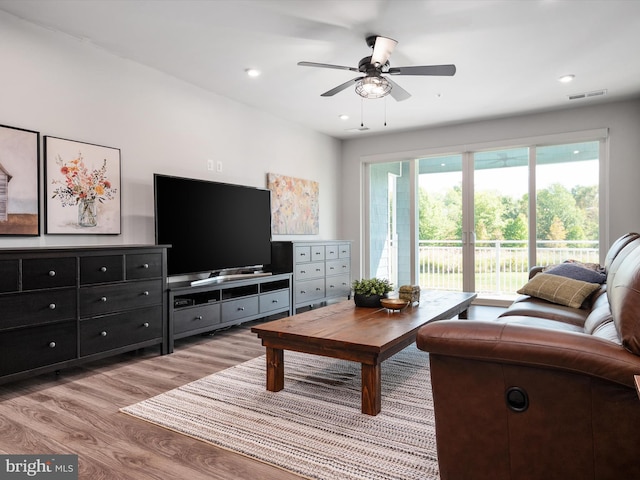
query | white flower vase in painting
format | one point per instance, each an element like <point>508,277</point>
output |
<point>87,212</point>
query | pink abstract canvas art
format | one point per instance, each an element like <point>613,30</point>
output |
<point>294,205</point>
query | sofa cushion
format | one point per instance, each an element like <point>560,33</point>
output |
<point>536,307</point>
<point>599,316</point>
<point>607,331</point>
<point>540,323</point>
<point>577,272</point>
<point>617,246</point>
<point>561,290</point>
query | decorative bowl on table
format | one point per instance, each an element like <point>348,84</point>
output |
<point>394,303</point>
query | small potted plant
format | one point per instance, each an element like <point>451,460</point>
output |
<point>367,292</point>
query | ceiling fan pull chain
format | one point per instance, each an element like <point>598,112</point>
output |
<point>362,112</point>
<point>385,111</point>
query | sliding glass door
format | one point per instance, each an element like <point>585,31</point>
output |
<point>500,234</point>
<point>440,223</point>
<point>476,221</point>
<point>390,222</point>
<point>567,203</point>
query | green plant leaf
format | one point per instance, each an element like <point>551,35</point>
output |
<point>371,286</point>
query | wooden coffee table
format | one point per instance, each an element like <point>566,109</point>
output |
<point>365,335</point>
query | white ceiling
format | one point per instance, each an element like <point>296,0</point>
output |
<point>508,53</point>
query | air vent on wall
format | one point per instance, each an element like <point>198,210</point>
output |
<point>595,93</point>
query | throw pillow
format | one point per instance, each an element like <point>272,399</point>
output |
<point>577,272</point>
<point>561,290</point>
<point>591,266</point>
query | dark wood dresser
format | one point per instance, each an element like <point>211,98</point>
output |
<point>60,307</point>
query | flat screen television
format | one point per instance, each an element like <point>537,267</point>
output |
<point>212,227</point>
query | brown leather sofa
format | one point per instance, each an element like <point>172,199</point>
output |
<point>545,391</point>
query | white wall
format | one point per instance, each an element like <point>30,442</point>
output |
<point>621,118</point>
<point>63,87</point>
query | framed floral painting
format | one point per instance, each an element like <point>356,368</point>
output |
<point>82,188</point>
<point>19,182</point>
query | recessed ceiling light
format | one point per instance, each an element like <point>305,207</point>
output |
<point>253,72</point>
<point>343,116</point>
<point>566,78</point>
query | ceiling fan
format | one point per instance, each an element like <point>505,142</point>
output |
<point>373,84</point>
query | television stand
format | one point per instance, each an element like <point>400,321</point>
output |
<point>221,303</point>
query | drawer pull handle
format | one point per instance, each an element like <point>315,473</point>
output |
<point>303,254</point>
<point>52,306</point>
<point>145,324</point>
<point>303,271</point>
<point>318,289</point>
<point>331,268</point>
<point>318,270</point>
<point>103,269</point>
<point>145,293</point>
<point>241,309</point>
<point>52,273</point>
<point>52,344</point>
<point>103,333</point>
<point>103,299</point>
<point>332,286</point>
<point>274,301</point>
<point>302,292</point>
<point>145,265</point>
<point>198,317</point>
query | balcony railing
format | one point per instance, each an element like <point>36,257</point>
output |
<point>501,267</point>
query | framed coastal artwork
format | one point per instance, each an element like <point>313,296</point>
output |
<point>294,205</point>
<point>19,182</point>
<point>82,188</point>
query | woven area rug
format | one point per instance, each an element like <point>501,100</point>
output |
<point>313,427</point>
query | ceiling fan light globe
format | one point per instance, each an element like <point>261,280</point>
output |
<point>373,87</point>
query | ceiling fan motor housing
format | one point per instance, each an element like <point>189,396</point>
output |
<point>366,67</point>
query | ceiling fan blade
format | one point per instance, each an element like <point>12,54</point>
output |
<point>327,65</point>
<point>441,70</point>
<point>382,50</point>
<point>339,88</point>
<point>397,92</point>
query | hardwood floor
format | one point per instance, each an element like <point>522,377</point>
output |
<point>77,412</point>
